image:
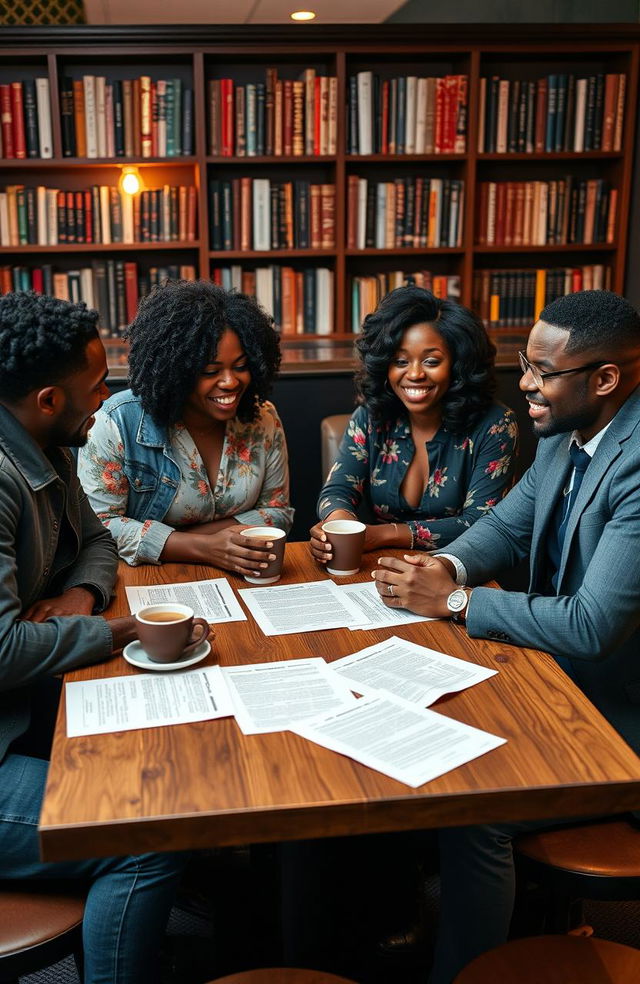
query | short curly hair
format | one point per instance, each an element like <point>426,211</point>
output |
<point>43,341</point>
<point>597,321</point>
<point>175,334</point>
<point>472,385</point>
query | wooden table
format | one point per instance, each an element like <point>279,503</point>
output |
<point>206,784</point>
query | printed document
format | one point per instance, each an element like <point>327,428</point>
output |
<point>306,607</point>
<point>373,609</point>
<point>213,599</point>
<point>271,696</point>
<point>408,743</point>
<point>145,700</point>
<point>413,672</point>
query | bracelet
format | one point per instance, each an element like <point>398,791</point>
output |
<point>413,539</point>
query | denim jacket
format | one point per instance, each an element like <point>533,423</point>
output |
<point>133,472</point>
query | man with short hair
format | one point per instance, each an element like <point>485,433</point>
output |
<point>57,567</point>
<point>576,514</point>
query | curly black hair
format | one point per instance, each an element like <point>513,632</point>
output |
<point>43,341</point>
<point>472,383</point>
<point>597,321</point>
<point>175,334</point>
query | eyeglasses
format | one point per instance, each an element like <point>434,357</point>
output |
<point>539,377</point>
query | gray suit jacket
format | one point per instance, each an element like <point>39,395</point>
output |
<point>595,618</point>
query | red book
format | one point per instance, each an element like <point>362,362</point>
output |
<point>131,290</point>
<point>17,112</point>
<point>327,216</point>
<point>191,214</point>
<point>154,119</point>
<point>6,115</point>
<point>78,198</point>
<point>227,98</point>
<point>287,130</point>
<point>385,118</point>
<point>316,219</point>
<point>501,218</point>
<point>316,116</point>
<point>482,208</point>
<point>518,227</point>
<point>510,208</point>
<point>88,217</point>
<point>37,280</point>
<point>451,112</point>
<point>71,217</point>
<point>246,213</point>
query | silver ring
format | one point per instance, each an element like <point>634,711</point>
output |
<point>390,590</point>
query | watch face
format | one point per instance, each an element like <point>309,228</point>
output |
<point>457,600</point>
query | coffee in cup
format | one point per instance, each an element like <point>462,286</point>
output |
<point>271,573</point>
<point>164,631</point>
<point>346,537</point>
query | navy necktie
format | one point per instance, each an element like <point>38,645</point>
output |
<point>580,460</point>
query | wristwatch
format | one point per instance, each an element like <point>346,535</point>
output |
<point>457,604</point>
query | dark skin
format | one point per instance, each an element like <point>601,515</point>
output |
<point>49,414</point>
<point>585,402</point>
<point>212,404</point>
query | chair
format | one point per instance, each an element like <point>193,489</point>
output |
<point>597,860</point>
<point>39,925</point>
<point>282,975</point>
<point>554,960</point>
<point>331,430</point>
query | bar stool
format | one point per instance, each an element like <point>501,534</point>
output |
<point>597,860</point>
<point>39,925</point>
<point>555,960</point>
<point>282,975</point>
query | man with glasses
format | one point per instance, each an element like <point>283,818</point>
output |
<point>576,514</point>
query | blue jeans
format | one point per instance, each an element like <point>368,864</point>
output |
<point>129,898</point>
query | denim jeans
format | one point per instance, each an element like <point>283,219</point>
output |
<point>129,898</point>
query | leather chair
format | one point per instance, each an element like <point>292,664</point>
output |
<point>282,975</point>
<point>331,431</point>
<point>39,925</point>
<point>555,960</point>
<point>597,860</point>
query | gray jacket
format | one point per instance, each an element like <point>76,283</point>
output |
<point>50,540</point>
<point>595,618</point>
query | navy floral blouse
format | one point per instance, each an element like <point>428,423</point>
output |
<point>468,474</point>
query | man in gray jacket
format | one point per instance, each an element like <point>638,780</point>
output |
<point>57,569</point>
<point>576,515</point>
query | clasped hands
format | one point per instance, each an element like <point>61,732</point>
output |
<point>419,582</point>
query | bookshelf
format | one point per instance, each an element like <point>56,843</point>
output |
<point>309,77</point>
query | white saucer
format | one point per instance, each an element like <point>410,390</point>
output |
<point>135,654</point>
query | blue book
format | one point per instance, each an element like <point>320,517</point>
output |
<point>170,114</point>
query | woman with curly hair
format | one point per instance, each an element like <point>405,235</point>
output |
<point>193,453</point>
<point>428,450</point>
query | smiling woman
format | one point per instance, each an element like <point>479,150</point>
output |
<point>428,451</point>
<point>194,452</point>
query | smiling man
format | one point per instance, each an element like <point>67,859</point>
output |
<point>576,515</point>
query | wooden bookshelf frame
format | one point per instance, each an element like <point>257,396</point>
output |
<point>340,48</point>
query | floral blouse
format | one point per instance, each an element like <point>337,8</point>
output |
<point>468,474</point>
<point>252,485</point>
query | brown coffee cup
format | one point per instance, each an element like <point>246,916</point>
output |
<point>271,573</point>
<point>164,631</point>
<point>346,537</point>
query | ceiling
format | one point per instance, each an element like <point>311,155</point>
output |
<point>237,12</point>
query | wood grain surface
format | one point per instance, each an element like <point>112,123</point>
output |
<point>206,784</point>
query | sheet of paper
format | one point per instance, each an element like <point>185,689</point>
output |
<point>306,607</point>
<point>408,743</point>
<point>413,672</point>
<point>272,696</point>
<point>213,599</point>
<point>146,700</point>
<point>372,608</point>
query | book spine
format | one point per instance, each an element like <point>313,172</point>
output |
<point>31,116</point>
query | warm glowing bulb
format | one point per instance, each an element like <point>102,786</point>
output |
<point>130,181</point>
<point>303,15</point>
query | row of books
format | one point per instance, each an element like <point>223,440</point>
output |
<point>367,292</point>
<point>126,118</point>
<point>25,114</point>
<point>516,297</point>
<point>43,216</point>
<point>274,118</point>
<point>545,213</point>
<point>558,112</point>
<point>300,301</point>
<point>259,214</point>
<point>416,212</point>
<point>112,287</point>
<point>407,115</point>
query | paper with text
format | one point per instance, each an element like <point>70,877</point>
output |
<point>143,700</point>
<point>271,696</point>
<point>402,741</point>
<point>413,672</point>
<point>213,599</point>
<point>365,595</point>
<point>307,607</point>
